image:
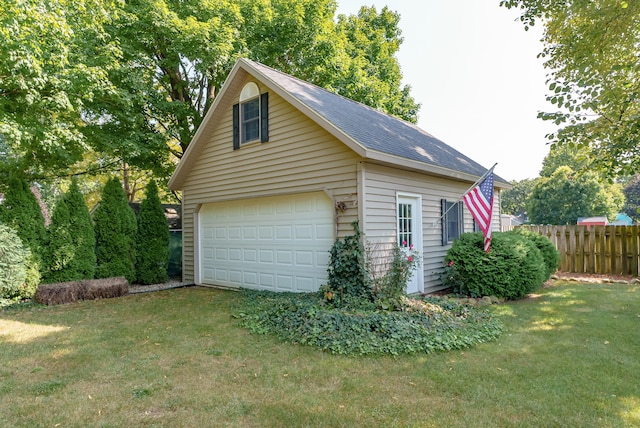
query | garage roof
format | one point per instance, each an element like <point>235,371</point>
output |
<point>370,133</point>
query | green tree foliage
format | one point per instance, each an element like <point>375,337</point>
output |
<point>577,158</point>
<point>70,250</point>
<point>115,232</point>
<point>152,244</point>
<point>93,84</point>
<point>592,51</point>
<point>373,75</point>
<point>13,265</point>
<point>514,200</point>
<point>632,198</point>
<point>567,195</point>
<point>55,57</point>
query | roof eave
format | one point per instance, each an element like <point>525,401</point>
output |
<point>427,168</point>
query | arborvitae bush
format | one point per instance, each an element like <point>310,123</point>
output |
<point>152,246</point>
<point>13,260</point>
<point>115,232</point>
<point>70,251</point>
<point>21,212</point>
<point>511,269</point>
<point>549,252</point>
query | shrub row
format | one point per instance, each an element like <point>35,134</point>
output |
<point>517,264</point>
<point>75,246</point>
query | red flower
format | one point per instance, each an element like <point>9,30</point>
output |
<point>451,263</point>
<point>409,258</point>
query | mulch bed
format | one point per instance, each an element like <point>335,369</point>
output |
<point>595,277</point>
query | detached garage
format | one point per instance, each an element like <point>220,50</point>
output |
<point>279,168</point>
<point>276,243</point>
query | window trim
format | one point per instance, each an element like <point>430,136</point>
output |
<point>448,210</point>
<point>263,120</point>
<point>257,119</point>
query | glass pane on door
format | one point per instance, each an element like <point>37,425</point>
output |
<point>405,225</point>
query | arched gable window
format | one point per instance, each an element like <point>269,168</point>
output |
<point>251,116</point>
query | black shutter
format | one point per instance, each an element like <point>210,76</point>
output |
<point>236,126</point>
<point>443,221</point>
<point>461,217</point>
<point>264,117</point>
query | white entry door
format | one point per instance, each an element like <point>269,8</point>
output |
<point>410,235</point>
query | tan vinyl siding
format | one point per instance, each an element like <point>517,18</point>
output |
<point>299,157</point>
<point>379,223</point>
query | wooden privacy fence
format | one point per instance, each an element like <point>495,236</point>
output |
<point>595,249</point>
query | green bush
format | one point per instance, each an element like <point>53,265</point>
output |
<point>70,250</point>
<point>21,212</point>
<point>389,289</point>
<point>347,272</point>
<point>13,270</point>
<point>152,243</point>
<point>511,269</point>
<point>423,326</point>
<point>549,252</point>
<point>115,231</point>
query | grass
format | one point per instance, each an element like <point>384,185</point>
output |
<point>569,357</point>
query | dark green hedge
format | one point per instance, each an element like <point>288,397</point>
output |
<point>115,231</point>
<point>152,241</point>
<point>70,251</point>
<point>549,252</point>
<point>511,269</point>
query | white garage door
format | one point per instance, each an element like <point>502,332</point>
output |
<point>278,243</point>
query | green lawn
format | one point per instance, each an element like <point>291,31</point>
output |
<point>569,357</point>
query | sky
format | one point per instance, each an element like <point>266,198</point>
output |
<point>475,72</point>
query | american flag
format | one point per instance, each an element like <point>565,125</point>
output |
<point>479,201</point>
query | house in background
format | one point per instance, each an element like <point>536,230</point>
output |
<point>279,168</point>
<point>622,219</point>
<point>509,221</point>
<point>593,221</point>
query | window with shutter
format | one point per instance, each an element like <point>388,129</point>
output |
<point>251,116</point>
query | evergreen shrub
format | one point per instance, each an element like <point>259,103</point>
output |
<point>152,243</point>
<point>13,270</point>
<point>70,250</point>
<point>511,269</point>
<point>549,252</point>
<point>115,232</point>
<point>21,212</point>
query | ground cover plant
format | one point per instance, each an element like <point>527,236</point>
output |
<point>568,357</point>
<point>423,325</point>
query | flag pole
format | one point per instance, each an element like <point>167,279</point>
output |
<point>466,191</point>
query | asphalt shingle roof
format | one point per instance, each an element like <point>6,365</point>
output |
<point>373,129</point>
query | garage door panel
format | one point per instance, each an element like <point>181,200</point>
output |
<point>279,243</point>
